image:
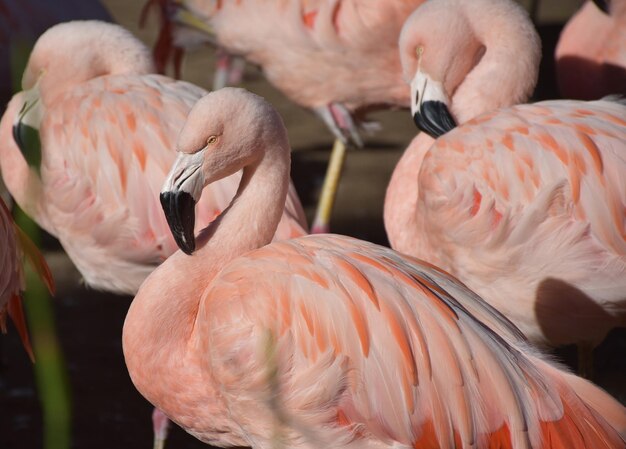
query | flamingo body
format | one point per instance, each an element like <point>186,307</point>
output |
<point>329,341</point>
<point>525,205</point>
<point>107,144</point>
<point>315,42</point>
<point>591,53</point>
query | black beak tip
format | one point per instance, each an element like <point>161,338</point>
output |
<point>603,5</point>
<point>434,118</point>
<point>179,209</point>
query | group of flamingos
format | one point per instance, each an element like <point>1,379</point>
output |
<point>255,334</point>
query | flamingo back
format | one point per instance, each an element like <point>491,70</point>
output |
<point>316,54</point>
<point>107,146</point>
<point>330,341</point>
<point>530,201</point>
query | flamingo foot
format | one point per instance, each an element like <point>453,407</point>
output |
<point>160,426</point>
<point>339,121</point>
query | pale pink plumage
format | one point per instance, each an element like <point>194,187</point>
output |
<point>329,341</point>
<point>314,51</point>
<point>108,134</point>
<point>525,205</point>
<point>318,53</point>
<point>591,53</point>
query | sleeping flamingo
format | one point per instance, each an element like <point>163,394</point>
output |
<point>336,58</point>
<point>107,127</point>
<point>13,245</point>
<point>325,340</point>
<point>526,204</point>
<point>591,53</point>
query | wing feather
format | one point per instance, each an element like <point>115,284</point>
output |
<point>532,193</point>
<point>108,146</point>
<point>414,366</point>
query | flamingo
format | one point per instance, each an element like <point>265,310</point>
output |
<point>591,53</point>
<point>326,340</point>
<point>523,204</point>
<point>13,245</point>
<point>336,58</point>
<point>106,131</point>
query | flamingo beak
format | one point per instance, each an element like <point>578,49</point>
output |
<point>26,127</point>
<point>181,191</point>
<point>429,106</point>
<point>603,5</point>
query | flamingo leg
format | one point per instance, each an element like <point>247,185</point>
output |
<point>321,222</point>
<point>160,426</point>
<point>222,69</point>
<point>340,122</point>
<point>235,76</point>
<point>585,360</point>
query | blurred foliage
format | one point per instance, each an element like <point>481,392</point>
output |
<point>50,368</point>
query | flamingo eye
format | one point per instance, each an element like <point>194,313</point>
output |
<point>211,140</point>
<point>419,51</point>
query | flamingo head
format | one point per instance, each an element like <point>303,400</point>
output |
<point>225,131</point>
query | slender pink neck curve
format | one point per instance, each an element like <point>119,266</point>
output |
<point>507,72</point>
<point>159,330</point>
<point>402,196</point>
<point>73,53</point>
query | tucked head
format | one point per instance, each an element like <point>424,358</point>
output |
<point>73,52</point>
<point>226,130</point>
<point>444,42</point>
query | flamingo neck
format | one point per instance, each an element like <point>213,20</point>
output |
<point>402,197</point>
<point>160,338</point>
<point>508,70</point>
<point>66,56</point>
<point>22,181</point>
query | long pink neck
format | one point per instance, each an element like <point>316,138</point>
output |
<point>508,71</point>
<point>159,332</point>
<point>402,196</point>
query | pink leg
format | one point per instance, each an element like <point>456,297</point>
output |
<point>160,426</point>
<point>222,68</point>
<point>237,67</point>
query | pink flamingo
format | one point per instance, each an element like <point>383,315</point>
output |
<point>13,245</point>
<point>591,53</point>
<point>107,128</point>
<point>524,204</point>
<point>325,340</point>
<point>337,58</point>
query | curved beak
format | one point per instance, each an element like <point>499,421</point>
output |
<point>181,191</point>
<point>26,127</point>
<point>429,106</point>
